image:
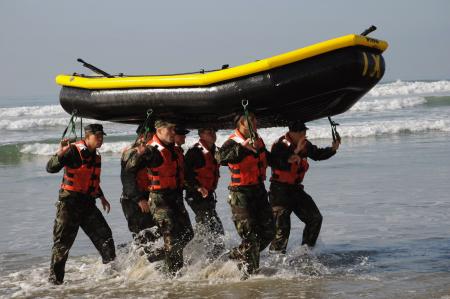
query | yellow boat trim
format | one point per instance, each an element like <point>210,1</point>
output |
<point>199,79</point>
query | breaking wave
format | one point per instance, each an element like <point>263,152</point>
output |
<point>32,111</point>
<point>410,88</point>
<point>32,123</point>
<point>270,135</point>
<point>46,149</point>
<point>379,105</point>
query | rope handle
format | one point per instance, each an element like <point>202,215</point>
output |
<point>245,103</point>
<point>147,120</point>
<point>145,127</point>
<point>334,132</point>
<point>71,125</point>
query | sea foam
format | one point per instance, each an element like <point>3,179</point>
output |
<point>410,88</point>
<point>46,110</point>
<point>379,105</point>
<point>45,149</point>
<point>270,135</point>
<point>32,123</point>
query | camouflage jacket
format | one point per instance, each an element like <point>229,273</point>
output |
<point>130,164</point>
<point>194,160</point>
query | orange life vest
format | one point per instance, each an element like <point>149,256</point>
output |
<point>86,178</point>
<point>168,175</point>
<point>251,170</point>
<point>208,175</point>
<point>295,174</point>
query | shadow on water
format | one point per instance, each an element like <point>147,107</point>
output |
<point>320,264</point>
<point>425,255</point>
<point>347,260</point>
<point>422,255</point>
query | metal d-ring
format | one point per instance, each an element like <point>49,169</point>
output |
<point>244,103</point>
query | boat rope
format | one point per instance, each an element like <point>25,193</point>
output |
<point>249,123</point>
<point>145,129</point>
<point>147,122</point>
<point>71,125</point>
<point>334,132</point>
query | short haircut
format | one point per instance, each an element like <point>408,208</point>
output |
<point>160,123</point>
<point>202,130</point>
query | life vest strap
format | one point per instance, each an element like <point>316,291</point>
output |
<point>234,170</point>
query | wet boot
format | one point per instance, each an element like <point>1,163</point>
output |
<point>155,255</point>
<point>52,279</point>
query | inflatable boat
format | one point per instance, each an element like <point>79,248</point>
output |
<point>317,81</point>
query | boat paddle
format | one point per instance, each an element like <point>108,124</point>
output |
<point>94,69</point>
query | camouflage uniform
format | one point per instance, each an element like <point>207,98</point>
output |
<point>168,211</point>
<point>204,208</point>
<point>287,198</point>
<point>76,210</point>
<point>139,223</point>
<point>251,211</point>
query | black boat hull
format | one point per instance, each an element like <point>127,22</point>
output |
<point>317,87</point>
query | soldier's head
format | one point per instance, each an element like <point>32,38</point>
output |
<point>145,133</point>
<point>93,136</point>
<point>165,130</point>
<point>297,131</point>
<point>208,135</point>
<point>240,121</point>
<point>180,135</point>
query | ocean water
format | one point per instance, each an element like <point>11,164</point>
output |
<point>384,198</point>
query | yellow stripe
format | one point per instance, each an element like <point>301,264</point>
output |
<point>221,75</point>
<point>376,68</point>
<point>366,64</point>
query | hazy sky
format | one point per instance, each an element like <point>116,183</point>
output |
<point>41,38</point>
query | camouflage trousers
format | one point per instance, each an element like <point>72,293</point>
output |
<point>286,199</point>
<point>75,210</point>
<point>173,221</point>
<point>208,222</point>
<point>252,218</point>
<point>139,223</point>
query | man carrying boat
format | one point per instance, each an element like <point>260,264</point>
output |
<point>165,197</point>
<point>247,157</point>
<point>289,165</point>
<point>76,204</point>
<point>180,139</point>
<point>134,199</point>
<point>202,176</point>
